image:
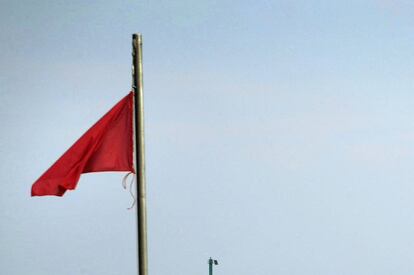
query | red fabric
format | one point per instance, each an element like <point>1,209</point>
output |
<point>106,146</point>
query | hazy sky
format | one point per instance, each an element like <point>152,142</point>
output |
<point>279,136</point>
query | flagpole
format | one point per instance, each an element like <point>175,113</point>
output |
<point>140,153</point>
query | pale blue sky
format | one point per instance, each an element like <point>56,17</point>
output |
<point>280,136</point>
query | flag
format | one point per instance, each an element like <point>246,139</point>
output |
<point>106,146</point>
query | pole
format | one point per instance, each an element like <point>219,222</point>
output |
<point>140,153</point>
<point>210,266</point>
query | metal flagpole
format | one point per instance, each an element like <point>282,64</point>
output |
<point>140,153</point>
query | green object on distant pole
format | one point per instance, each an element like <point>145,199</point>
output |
<point>210,265</point>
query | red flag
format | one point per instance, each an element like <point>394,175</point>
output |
<point>106,146</point>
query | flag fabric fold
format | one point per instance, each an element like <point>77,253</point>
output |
<point>106,146</point>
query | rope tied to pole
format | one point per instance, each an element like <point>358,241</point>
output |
<point>124,185</point>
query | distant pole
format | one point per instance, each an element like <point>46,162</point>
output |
<point>140,153</point>
<point>210,265</point>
